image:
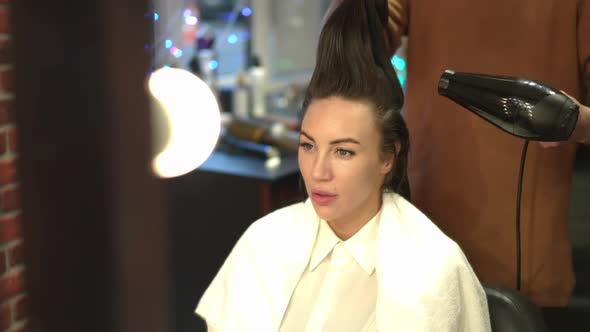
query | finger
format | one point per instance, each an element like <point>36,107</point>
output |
<point>550,144</point>
<point>572,98</point>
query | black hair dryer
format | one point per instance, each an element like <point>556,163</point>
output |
<point>521,107</point>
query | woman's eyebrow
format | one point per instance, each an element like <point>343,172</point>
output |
<point>307,135</point>
<point>345,140</point>
<point>336,141</point>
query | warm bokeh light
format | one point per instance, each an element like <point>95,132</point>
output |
<point>187,121</point>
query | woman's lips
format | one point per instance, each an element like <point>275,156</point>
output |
<point>322,198</point>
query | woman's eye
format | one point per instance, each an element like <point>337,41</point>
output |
<point>306,146</point>
<point>344,153</point>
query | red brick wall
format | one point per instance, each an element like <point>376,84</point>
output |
<point>13,298</point>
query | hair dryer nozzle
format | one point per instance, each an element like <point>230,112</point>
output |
<point>520,107</point>
<point>443,83</point>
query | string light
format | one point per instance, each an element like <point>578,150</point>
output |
<point>189,18</point>
<point>228,17</point>
<point>398,63</point>
<point>213,64</point>
<point>176,52</point>
<point>246,11</point>
<point>232,39</point>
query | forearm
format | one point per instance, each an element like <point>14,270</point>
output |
<point>582,132</point>
<point>396,22</point>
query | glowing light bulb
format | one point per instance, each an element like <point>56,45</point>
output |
<point>168,43</point>
<point>187,121</point>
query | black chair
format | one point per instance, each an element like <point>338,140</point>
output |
<point>510,311</point>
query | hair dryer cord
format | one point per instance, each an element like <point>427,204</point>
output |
<point>518,197</point>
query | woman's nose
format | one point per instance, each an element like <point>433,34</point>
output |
<point>321,168</point>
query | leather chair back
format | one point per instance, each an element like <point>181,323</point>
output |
<point>511,311</point>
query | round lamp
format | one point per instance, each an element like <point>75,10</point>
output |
<point>185,119</point>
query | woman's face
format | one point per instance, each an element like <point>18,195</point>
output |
<point>340,160</point>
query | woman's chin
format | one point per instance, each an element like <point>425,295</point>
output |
<point>324,212</point>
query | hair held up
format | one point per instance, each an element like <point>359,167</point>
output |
<point>352,62</point>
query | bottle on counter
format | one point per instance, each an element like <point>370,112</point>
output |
<point>241,98</point>
<point>257,79</point>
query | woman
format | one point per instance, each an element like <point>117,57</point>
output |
<point>355,256</point>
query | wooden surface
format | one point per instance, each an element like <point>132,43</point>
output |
<point>94,234</point>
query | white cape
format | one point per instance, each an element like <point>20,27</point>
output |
<point>425,283</point>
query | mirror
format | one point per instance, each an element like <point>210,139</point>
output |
<point>221,41</point>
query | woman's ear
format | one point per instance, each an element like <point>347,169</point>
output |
<point>388,163</point>
<point>389,160</point>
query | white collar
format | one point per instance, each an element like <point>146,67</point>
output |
<point>362,245</point>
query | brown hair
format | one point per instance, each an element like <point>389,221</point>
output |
<point>353,63</point>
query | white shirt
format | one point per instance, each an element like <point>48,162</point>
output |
<point>338,289</point>
<point>424,281</point>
